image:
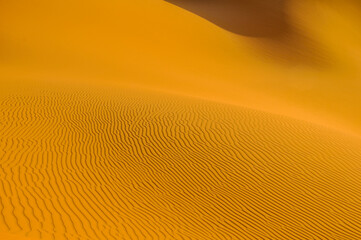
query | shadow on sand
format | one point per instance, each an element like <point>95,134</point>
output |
<point>265,22</point>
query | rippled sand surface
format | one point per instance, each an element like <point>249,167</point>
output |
<point>167,120</point>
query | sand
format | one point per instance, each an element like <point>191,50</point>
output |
<point>160,120</point>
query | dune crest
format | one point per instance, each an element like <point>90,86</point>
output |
<point>310,74</point>
<point>268,23</point>
<point>255,18</point>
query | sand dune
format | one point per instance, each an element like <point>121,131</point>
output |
<point>152,119</point>
<point>311,73</point>
<point>270,24</point>
<point>256,18</point>
<point>86,164</point>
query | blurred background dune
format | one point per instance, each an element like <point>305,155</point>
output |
<point>302,60</point>
<point>258,18</point>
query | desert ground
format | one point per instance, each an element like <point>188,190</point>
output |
<point>180,119</point>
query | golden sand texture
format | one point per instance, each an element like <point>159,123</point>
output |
<point>13,237</point>
<point>87,164</point>
<point>309,72</point>
<point>180,119</point>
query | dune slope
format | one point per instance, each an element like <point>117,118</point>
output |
<point>309,69</point>
<point>256,18</point>
<point>180,119</point>
<point>105,164</point>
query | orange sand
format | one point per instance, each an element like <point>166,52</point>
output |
<point>154,119</point>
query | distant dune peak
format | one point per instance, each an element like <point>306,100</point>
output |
<point>268,22</point>
<point>255,18</point>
